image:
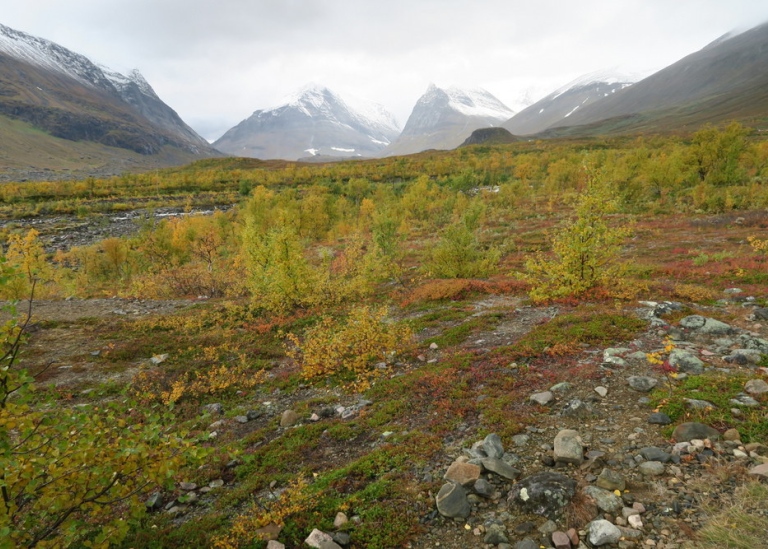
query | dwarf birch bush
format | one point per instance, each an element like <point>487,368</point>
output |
<point>349,346</point>
<point>585,250</point>
<point>459,253</point>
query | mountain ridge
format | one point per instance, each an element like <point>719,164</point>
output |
<point>65,94</point>
<point>725,80</point>
<point>313,121</point>
<point>443,118</point>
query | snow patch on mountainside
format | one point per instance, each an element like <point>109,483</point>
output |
<point>121,81</point>
<point>609,76</point>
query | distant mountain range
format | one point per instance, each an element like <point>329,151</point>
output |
<point>317,124</point>
<point>61,111</point>
<point>313,122</point>
<point>48,87</point>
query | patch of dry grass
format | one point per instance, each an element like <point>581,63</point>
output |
<point>742,524</point>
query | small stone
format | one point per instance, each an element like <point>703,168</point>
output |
<point>274,544</point>
<point>452,501</point>
<point>642,384</point>
<point>602,532</point>
<point>756,387</point>
<point>743,357</point>
<point>525,528</point>
<point>652,453</point>
<point>241,419</point>
<point>463,473</point>
<point>187,486</point>
<point>705,325</point>
<point>635,522</point>
<point>652,468</point>
<point>433,346</point>
<point>686,362</point>
<point>289,418</point>
<point>340,520</point>
<point>685,432</point>
<point>542,398</point>
<point>743,399</point>
<point>560,540</point>
<point>520,440</point>
<point>562,387</point>
<point>568,447</point>
<point>573,536</point>
<point>319,539</point>
<point>483,488</point>
<point>214,408</point>
<point>697,404</point>
<point>659,418</point>
<point>493,446</point>
<point>342,538</point>
<point>627,512</point>
<point>527,544</point>
<point>496,534</point>
<point>577,408</point>
<point>501,468</point>
<point>760,470</point>
<point>610,480</point>
<point>253,414</point>
<point>218,483</point>
<point>189,497</point>
<point>548,528</point>
<point>600,390</point>
<point>154,501</point>
<point>545,493</point>
<point>732,434</point>
<point>606,501</point>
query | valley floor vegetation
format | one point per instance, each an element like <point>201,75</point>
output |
<point>333,278</point>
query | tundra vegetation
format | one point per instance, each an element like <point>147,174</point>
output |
<point>333,279</point>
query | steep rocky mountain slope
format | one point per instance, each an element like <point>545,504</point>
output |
<point>726,80</point>
<point>44,86</point>
<point>557,108</point>
<point>314,121</point>
<point>444,117</point>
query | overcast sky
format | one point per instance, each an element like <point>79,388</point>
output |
<point>215,62</point>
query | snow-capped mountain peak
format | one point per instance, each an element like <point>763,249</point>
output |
<point>107,94</point>
<point>444,117</point>
<point>469,102</point>
<point>316,99</point>
<point>121,81</point>
<point>313,121</point>
<point>605,76</point>
<point>50,56</point>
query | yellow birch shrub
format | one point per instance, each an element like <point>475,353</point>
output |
<point>585,250</point>
<point>351,346</point>
<point>26,254</point>
<point>296,498</point>
<point>757,244</point>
